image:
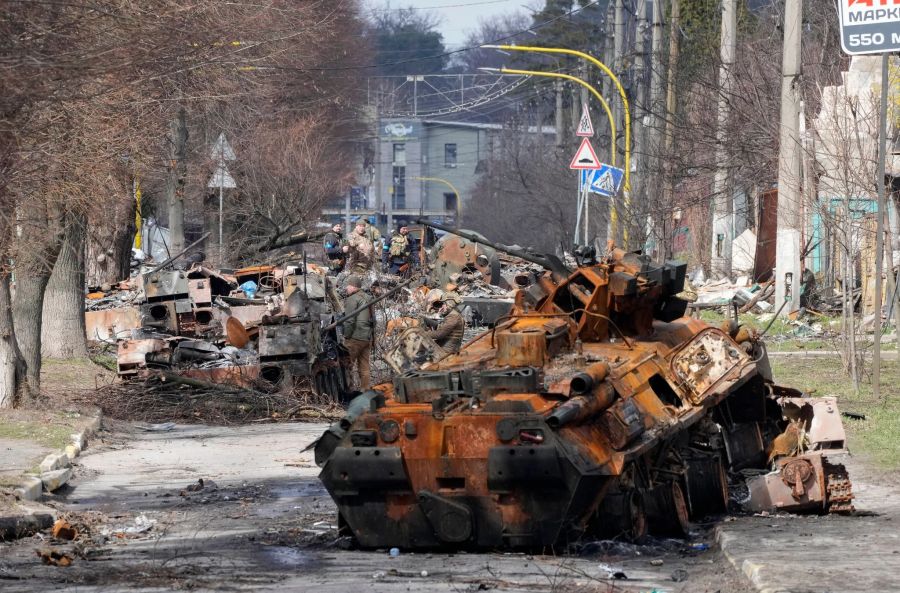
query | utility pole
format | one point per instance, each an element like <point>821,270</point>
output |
<point>879,233</point>
<point>641,115</point>
<point>609,55</point>
<point>656,71</point>
<point>619,54</point>
<point>618,66</point>
<point>669,136</point>
<point>790,204</point>
<point>560,131</point>
<point>723,199</point>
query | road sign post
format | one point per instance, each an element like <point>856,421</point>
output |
<point>873,27</point>
<point>222,179</point>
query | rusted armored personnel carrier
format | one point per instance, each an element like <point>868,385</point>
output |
<point>595,408</point>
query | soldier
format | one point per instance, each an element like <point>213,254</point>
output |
<point>334,248</point>
<point>359,331</point>
<point>399,250</point>
<point>372,233</point>
<point>360,249</point>
<point>449,332</point>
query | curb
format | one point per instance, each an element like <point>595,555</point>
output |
<point>751,570</point>
<point>55,468</point>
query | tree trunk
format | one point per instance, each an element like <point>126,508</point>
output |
<point>109,243</point>
<point>176,178</point>
<point>63,330</point>
<point>12,365</point>
<point>28,304</point>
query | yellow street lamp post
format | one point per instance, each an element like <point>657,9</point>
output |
<point>613,214</point>
<point>613,77</point>
<point>455,192</point>
<point>605,69</point>
<point>585,84</point>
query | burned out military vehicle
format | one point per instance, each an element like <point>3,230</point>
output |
<point>595,407</point>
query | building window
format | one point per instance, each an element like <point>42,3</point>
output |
<point>450,202</point>
<point>399,187</point>
<point>450,155</point>
<point>399,154</point>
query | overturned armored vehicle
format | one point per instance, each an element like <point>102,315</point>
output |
<point>594,408</point>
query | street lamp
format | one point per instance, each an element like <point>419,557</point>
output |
<point>455,192</point>
<point>613,213</point>
<point>605,69</point>
<point>585,84</point>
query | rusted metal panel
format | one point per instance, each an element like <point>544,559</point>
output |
<point>298,341</point>
<point>200,292</point>
<point>165,284</point>
<point>132,354</point>
<point>248,315</point>
<point>110,324</point>
<point>766,239</point>
<point>797,484</point>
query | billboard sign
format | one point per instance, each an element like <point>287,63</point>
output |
<point>870,26</point>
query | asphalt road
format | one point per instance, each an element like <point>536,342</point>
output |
<point>268,525</point>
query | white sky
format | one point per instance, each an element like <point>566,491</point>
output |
<point>458,17</point>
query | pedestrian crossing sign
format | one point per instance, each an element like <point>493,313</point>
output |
<point>605,180</point>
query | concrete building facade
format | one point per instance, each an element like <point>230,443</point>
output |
<point>421,168</point>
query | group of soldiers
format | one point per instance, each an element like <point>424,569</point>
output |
<point>365,246</point>
<point>358,255</point>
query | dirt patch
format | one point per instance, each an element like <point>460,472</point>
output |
<point>59,378</point>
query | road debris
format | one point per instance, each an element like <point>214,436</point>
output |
<point>54,557</point>
<point>63,530</point>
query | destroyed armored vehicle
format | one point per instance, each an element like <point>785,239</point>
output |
<point>595,408</point>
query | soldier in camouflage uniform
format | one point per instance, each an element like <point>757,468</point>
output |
<point>360,249</point>
<point>399,250</point>
<point>449,332</point>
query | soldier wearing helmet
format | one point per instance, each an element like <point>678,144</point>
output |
<point>451,326</point>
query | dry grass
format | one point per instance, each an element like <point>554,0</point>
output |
<point>156,401</point>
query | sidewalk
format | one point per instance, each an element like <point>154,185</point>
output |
<point>861,553</point>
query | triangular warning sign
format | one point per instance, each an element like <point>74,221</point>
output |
<point>585,158</point>
<point>585,126</point>
<point>222,178</point>
<point>222,150</point>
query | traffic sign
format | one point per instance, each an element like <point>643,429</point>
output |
<point>222,178</point>
<point>585,126</point>
<point>585,158</point>
<point>606,181</point>
<point>222,150</point>
<point>870,26</point>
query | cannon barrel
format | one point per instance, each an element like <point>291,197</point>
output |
<point>581,407</point>
<point>549,262</point>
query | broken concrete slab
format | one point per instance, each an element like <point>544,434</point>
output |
<point>72,451</point>
<point>29,488</point>
<point>54,480</point>
<point>53,462</point>
<point>17,526</point>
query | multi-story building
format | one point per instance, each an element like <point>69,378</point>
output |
<point>422,168</point>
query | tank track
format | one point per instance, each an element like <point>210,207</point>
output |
<point>838,489</point>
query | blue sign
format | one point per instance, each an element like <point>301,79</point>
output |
<point>606,181</point>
